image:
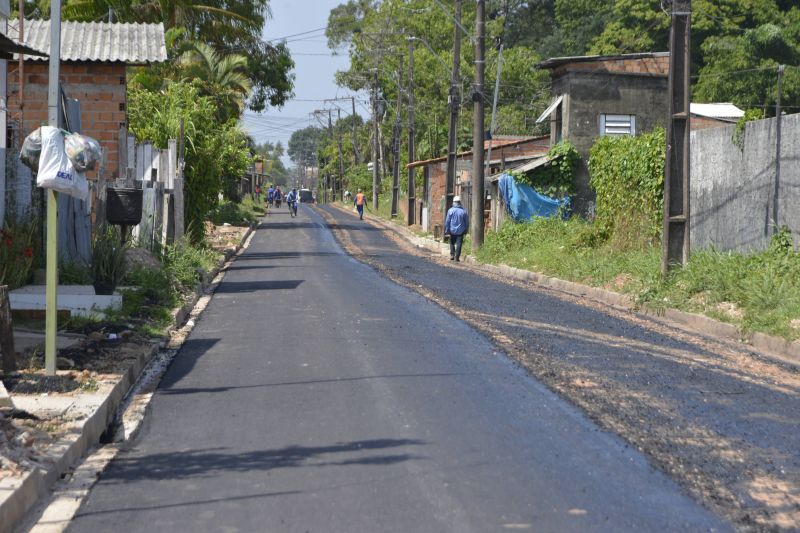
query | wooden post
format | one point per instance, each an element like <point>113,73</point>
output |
<point>177,193</point>
<point>6,333</point>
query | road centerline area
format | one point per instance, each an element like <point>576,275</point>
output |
<point>314,394</point>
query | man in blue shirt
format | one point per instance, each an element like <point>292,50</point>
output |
<point>455,225</point>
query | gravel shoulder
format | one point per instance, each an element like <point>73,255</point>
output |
<point>717,417</point>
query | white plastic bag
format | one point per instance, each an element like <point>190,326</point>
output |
<point>56,170</point>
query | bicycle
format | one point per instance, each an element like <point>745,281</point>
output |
<point>292,208</point>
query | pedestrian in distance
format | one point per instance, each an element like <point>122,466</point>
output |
<point>271,195</point>
<point>456,224</point>
<point>278,196</point>
<point>360,202</point>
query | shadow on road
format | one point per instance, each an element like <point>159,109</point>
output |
<point>255,256</point>
<point>209,462</point>
<point>204,390</point>
<point>233,287</point>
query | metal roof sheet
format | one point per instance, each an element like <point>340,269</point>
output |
<point>717,110</point>
<point>554,62</point>
<point>128,43</point>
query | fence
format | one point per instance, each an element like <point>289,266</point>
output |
<point>737,200</point>
<point>159,174</point>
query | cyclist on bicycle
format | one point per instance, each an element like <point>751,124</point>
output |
<point>291,201</point>
<point>278,196</point>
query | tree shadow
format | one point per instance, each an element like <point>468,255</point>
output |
<point>208,462</point>
<point>236,287</point>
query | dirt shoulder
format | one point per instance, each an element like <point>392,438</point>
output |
<point>714,415</point>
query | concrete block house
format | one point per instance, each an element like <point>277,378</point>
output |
<point>604,95</point>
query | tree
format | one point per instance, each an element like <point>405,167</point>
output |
<point>304,145</point>
<point>224,78</point>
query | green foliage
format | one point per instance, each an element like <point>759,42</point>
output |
<point>757,292</point>
<point>304,145</point>
<point>108,256</point>
<point>628,175</point>
<point>556,178</point>
<point>234,213</point>
<point>74,273</point>
<point>183,263</point>
<point>738,133</point>
<point>216,153</point>
<point>17,244</point>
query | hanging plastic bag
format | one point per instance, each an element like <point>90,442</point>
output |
<point>83,151</point>
<point>32,150</point>
<point>56,171</point>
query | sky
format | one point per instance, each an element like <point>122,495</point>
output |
<point>314,71</point>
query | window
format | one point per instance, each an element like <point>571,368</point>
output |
<point>617,124</point>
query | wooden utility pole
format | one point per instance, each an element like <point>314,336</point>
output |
<point>341,152</point>
<point>7,333</point>
<point>412,189</point>
<point>356,157</point>
<point>375,143</point>
<point>455,102</point>
<point>478,186</point>
<point>675,238</point>
<point>776,189</point>
<point>330,133</point>
<point>21,70</point>
<point>396,141</point>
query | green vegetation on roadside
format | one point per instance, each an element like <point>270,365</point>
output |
<point>241,213</point>
<point>757,292</point>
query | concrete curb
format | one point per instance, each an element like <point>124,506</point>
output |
<point>775,348</point>
<point>19,495</point>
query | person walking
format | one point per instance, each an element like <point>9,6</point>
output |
<point>456,224</point>
<point>361,201</point>
<point>278,196</point>
<point>271,195</point>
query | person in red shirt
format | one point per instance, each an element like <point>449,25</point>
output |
<point>361,201</point>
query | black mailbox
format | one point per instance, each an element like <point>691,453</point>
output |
<point>123,206</point>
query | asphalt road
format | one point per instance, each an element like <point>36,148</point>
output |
<point>316,395</point>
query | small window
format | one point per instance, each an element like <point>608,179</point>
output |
<point>617,124</point>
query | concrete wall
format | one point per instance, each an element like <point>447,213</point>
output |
<point>733,191</point>
<point>590,94</point>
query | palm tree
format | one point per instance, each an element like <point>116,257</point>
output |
<point>223,76</point>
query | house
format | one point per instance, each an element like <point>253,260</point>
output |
<point>506,153</point>
<point>713,115</point>
<point>623,94</point>
<point>604,95</point>
<point>95,57</point>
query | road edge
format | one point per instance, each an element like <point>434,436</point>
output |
<point>775,348</point>
<point>37,483</point>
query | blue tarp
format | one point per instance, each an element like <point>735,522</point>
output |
<point>523,202</point>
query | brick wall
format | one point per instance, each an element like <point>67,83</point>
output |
<point>101,89</point>
<point>702,123</point>
<point>657,66</point>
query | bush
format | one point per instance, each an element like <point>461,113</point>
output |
<point>628,175</point>
<point>232,213</point>
<point>17,242</point>
<point>555,179</point>
<point>108,259</point>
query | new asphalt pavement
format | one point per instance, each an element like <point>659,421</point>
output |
<point>316,395</point>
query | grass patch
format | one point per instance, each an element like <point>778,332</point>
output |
<point>757,292</point>
<point>236,214</point>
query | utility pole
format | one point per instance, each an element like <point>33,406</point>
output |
<point>455,102</point>
<point>341,152</point>
<point>356,157</point>
<point>675,238</point>
<point>412,190</point>
<point>330,132</point>
<point>776,191</point>
<point>396,141</point>
<point>51,276</point>
<point>478,185</point>
<point>494,107</point>
<point>375,147</point>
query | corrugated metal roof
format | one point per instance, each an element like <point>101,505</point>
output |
<point>718,110</point>
<point>554,62</point>
<point>134,44</point>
